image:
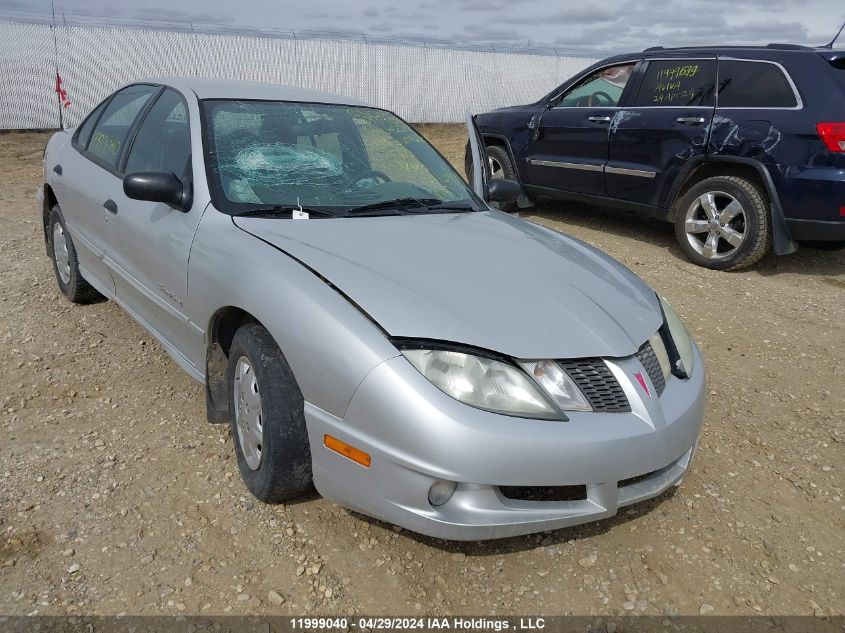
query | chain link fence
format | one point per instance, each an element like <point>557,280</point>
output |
<point>422,82</point>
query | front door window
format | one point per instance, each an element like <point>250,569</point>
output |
<point>602,89</point>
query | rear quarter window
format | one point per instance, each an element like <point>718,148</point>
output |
<point>678,83</point>
<point>750,84</point>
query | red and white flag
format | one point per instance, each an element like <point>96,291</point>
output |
<point>62,92</point>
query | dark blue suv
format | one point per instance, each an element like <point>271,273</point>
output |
<point>742,148</point>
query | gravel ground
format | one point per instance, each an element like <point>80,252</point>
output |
<point>117,497</point>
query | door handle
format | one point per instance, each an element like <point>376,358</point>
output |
<point>110,206</point>
<point>599,119</point>
<point>57,170</point>
<point>690,120</point>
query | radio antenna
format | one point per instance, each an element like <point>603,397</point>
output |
<point>836,37</point>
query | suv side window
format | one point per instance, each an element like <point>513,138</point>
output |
<point>113,127</point>
<point>750,84</point>
<point>163,142</point>
<point>678,83</point>
<point>84,133</point>
<point>602,89</point>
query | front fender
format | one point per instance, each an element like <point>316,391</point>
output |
<point>330,344</point>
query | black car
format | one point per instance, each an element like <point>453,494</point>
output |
<point>742,148</point>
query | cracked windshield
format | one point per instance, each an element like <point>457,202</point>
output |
<point>269,156</point>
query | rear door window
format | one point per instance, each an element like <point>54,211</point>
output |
<point>751,84</point>
<point>678,83</point>
<point>111,131</point>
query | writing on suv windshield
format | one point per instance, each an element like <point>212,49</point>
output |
<point>340,160</point>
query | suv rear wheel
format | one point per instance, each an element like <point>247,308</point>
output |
<point>723,223</point>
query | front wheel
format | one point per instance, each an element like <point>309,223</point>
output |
<point>266,412</point>
<point>499,165</point>
<point>723,223</point>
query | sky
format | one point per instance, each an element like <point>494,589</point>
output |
<point>610,25</point>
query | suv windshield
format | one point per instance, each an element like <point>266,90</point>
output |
<point>276,155</point>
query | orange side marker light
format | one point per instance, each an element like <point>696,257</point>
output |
<point>350,452</point>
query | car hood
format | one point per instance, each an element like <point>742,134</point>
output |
<point>484,279</point>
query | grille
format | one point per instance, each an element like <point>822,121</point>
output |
<point>597,384</point>
<point>649,361</point>
<point>544,493</point>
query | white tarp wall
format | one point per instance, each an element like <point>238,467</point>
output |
<point>421,84</point>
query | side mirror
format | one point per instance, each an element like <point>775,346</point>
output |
<point>157,186</point>
<point>501,190</point>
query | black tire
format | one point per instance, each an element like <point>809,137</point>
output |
<point>824,246</point>
<point>284,470</point>
<point>499,155</point>
<point>75,288</point>
<point>756,222</point>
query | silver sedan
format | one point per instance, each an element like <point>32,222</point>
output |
<point>364,320</point>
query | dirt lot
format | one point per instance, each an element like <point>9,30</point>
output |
<point>117,497</point>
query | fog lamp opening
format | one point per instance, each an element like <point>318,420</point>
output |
<point>441,491</point>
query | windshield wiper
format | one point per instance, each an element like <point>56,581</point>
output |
<point>452,206</point>
<point>394,205</point>
<point>283,211</point>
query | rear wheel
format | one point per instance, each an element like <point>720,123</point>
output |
<point>723,223</point>
<point>65,262</point>
<point>266,411</point>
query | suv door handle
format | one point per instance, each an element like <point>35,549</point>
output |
<point>690,120</point>
<point>110,206</point>
<point>57,170</point>
<point>599,119</point>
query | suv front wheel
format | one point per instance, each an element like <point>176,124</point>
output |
<point>723,223</point>
<point>499,166</point>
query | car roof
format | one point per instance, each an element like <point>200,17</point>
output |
<point>247,90</point>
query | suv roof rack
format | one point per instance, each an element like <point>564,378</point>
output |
<point>785,47</point>
<point>790,47</point>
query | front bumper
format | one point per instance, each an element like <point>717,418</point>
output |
<point>416,434</point>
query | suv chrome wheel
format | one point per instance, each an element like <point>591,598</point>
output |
<point>715,225</point>
<point>60,253</point>
<point>248,412</point>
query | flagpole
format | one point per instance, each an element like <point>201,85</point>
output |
<point>56,57</point>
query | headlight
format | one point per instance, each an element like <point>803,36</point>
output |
<point>557,383</point>
<point>681,338</point>
<point>482,382</point>
<point>659,347</point>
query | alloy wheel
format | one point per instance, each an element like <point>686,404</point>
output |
<point>496,170</point>
<point>715,225</point>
